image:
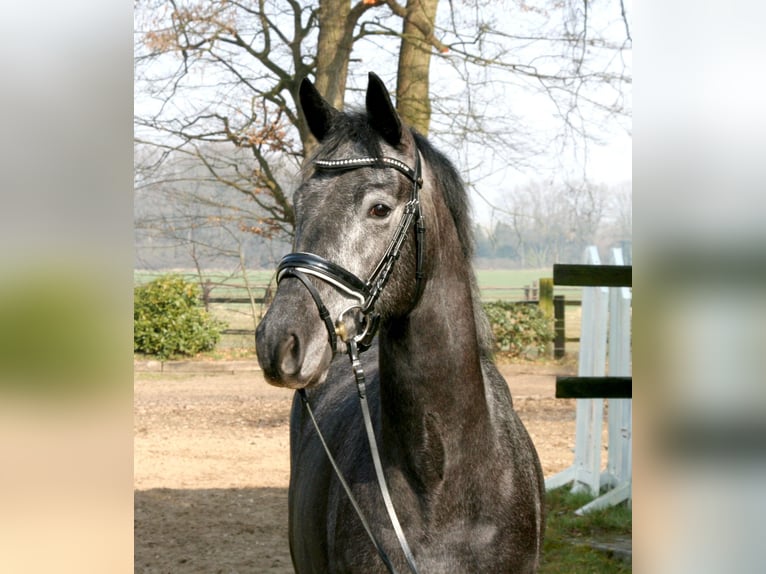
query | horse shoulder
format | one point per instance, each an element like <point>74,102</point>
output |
<point>497,394</point>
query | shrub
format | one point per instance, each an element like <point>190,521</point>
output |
<point>520,329</point>
<point>168,319</point>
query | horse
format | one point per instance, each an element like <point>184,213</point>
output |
<point>377,200</point>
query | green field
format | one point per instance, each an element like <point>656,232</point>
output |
<point>501,284</point>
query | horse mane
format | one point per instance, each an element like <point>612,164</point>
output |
<point>453,190</point>
<point>450,183</point>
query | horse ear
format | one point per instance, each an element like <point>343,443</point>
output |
<point>319,114</point>
<point>383,116</point>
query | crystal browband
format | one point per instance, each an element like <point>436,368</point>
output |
<point>354,163</point>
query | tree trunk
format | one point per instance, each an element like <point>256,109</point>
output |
<point>333,50</point>
<point>337,21</point>
<point>412,93</point>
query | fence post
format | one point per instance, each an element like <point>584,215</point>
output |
<point>619,463</point>
<point>618,475</point>
<point>592,362</point>
<point>546,296</point>
<point>586,470</point>
<point>559,327</point>
<point>545,302</point>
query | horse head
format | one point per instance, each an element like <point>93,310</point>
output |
<point>356,213</point>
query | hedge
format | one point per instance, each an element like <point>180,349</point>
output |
<point>520,329</point>
<point>168,319</point>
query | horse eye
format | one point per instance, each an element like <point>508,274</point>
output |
<point>380,210</point>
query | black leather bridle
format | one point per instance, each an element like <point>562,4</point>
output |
<point>363,315</point>
<point>366,292</point>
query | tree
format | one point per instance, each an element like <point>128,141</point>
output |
<point>413,78</point>
<point>548,222</point>
<point>250,59</point>
<point>218,80</point>
<point>186,218</point>
<point>618,218</point>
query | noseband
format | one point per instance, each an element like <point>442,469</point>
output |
<point>300,265</point>
<point>367,292</point>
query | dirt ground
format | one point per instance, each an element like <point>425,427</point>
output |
<point>211,465</point>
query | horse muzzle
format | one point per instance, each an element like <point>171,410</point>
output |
<point>292,351</point>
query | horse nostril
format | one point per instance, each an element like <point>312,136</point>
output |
<point>290,355</point>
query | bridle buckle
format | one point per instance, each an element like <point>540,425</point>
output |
<point>353,324</point>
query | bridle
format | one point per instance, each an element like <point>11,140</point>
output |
<point>365,319</point>
<point>365,292</point>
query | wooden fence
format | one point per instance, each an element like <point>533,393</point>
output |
<point>228,298</point>
<point>538,293</point>
<point>604,367</point>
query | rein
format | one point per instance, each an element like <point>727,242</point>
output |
<point>299,265</point>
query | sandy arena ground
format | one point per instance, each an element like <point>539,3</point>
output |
<point>211,465</point>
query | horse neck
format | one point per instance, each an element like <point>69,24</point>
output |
<point>430,366</point>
